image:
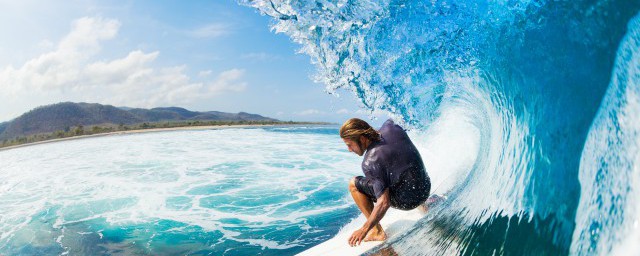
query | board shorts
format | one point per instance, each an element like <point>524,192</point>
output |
<point>410,192</point>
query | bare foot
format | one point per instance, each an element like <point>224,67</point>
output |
<point>423,208</point>
<point>375,236</point>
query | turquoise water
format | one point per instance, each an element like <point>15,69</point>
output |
<point>257,191</point>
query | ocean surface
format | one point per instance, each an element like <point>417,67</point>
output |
<point>252,191</point>
<point>528,112</point>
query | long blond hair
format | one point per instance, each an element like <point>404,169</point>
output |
<point>353,128</point>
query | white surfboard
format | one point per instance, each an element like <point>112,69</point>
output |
<point>394,223</point>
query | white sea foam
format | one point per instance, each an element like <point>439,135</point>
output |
<point>259,178</point>
<point>609,209</point>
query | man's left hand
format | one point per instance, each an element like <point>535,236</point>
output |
<point>357,237</point>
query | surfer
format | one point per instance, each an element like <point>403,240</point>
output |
<point>394,174</point>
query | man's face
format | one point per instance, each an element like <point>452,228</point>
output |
<point>353,147</point>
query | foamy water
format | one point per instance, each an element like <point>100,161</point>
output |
<point>225,191</point>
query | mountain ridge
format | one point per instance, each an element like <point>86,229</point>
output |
<point>63,115</point>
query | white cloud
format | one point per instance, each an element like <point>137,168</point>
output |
<point>228,81</point>
<point>58,68</point>
<point>71,72</point>
<point>310,112</point>
<point>86,34</point>
<point>342,111</point>
<point>211,31</point>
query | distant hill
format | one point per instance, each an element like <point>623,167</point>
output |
<point>62,116</point>
<point>3,126</point>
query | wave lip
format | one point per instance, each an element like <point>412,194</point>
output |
<point>609,210</point>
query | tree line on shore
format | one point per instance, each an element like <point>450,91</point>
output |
<point>80,130</point>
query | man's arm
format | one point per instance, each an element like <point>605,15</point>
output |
<point>378,212</point>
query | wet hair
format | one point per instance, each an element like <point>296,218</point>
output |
<point>353,128</point>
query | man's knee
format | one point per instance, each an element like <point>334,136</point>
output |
<point>352,185</point>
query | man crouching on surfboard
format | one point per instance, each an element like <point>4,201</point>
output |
<point>394,175</point>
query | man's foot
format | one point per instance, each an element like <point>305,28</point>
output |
<point>375,236</point>
<point>423,208</point>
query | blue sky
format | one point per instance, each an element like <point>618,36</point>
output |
<point>201,55</point>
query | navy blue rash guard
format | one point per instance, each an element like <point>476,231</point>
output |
<point>394,163</point>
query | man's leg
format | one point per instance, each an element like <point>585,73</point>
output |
<point>366,207</point>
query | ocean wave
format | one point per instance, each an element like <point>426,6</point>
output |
<point>522,81</point>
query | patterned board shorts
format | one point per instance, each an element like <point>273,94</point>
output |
<point>407,194</point>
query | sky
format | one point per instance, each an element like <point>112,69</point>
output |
<point>200,55</point>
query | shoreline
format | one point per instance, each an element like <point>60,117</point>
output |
<point>183,128</point>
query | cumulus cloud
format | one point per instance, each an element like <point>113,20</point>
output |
<point>60,67</point>
<point>71,72</point>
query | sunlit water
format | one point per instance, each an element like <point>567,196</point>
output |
<point>268,191</point>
